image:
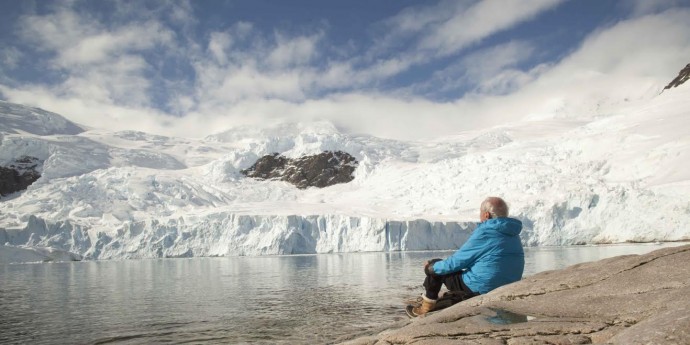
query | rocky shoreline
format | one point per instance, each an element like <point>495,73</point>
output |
<point>631,299</point>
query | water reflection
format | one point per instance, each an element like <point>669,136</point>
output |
<point>504,317</point>
<point>271,300</point>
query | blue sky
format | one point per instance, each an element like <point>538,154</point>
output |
<point>402,69</point>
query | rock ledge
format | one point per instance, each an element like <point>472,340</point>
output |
<point>632,299</point>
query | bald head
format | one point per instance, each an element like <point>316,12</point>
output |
<point>493,207</point>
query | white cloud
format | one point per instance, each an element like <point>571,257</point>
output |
<point>489,71</point>
<point>120,81</point>
<point>53,32</point>
<point>644,7</point>
<point>336,75</point>
<point>485,63</point>
<point>405,27</point>
<point>99,63</point>
<point>181,103</point>
<point>244,65</point>
<point>413,20</point>
<point>648,46</point>
<point>181,12</point>
<point>261,69</point>
<point>105,46</point>
<point>479,21</point>
<point>289,52</point>
<point>495,69</point>
<point>508,80</point>
<point>451,26</point>
<point>438,31</point>
<point>344,75</point>
<point>246,82</point>
<point>218,44</point>
<point>10,57</point>
<point>221,45</point>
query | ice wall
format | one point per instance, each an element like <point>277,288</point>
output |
<point>226,234</point>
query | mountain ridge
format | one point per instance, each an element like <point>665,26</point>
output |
<point>682,77</point>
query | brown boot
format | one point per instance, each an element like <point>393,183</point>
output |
<point>428,305</point>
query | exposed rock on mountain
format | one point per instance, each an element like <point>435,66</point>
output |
<point>322,170</point>
<point>682,77</point>
<point>18,176</point>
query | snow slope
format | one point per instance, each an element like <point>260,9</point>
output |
<point>604,176</point>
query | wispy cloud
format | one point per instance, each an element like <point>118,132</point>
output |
<point>10,57</point>
<point>244,65</point>
<point>645,7</point>
<point>492,71</point>
<point>481,20</point>
<point>451,26</point>
<point>99,63</point>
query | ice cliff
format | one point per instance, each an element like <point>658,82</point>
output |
<point>223,234</point>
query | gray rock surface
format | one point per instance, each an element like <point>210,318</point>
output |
<point>632,299</point>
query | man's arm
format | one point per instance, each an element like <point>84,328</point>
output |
<point>464,257</point>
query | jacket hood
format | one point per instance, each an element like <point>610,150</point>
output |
<point>506,226</point>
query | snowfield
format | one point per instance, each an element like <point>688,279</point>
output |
<point>614,175</point>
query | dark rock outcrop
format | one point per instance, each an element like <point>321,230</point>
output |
<point>18,176</point>
<point>682,77</point>
<point>321,170</point>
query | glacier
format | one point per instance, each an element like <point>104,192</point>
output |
<point>617,174</point>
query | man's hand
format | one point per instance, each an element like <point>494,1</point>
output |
<point>429,266</point>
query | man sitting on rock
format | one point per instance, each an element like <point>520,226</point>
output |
<point>490,258</point>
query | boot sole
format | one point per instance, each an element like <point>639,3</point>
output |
<point>409,312</point>
<point>447,300</point>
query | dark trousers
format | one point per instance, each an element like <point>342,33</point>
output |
<point>453,282</point>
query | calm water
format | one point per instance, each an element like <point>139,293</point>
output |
<point>271,300</point>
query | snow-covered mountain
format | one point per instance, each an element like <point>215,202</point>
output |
<point>604,176</point>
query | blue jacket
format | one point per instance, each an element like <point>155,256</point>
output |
<point>491,257</point>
